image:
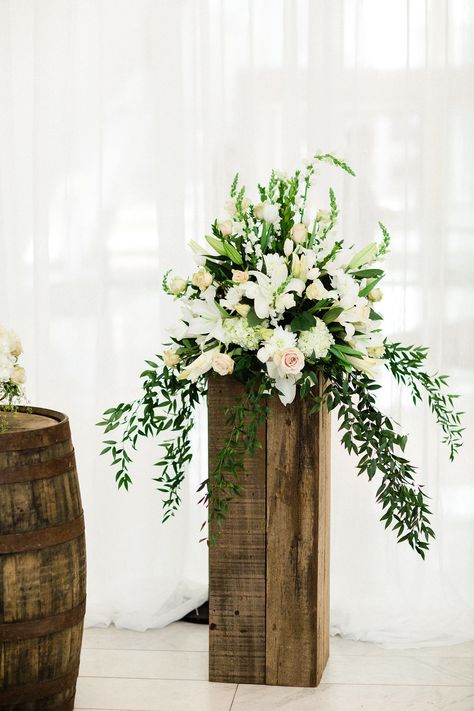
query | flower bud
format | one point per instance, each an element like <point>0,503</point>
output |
<point>177,285</point>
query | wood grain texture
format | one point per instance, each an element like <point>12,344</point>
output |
<point>42,565</point>
<point>237,560</point>
<point>269,571</point>
<point>297,594</point>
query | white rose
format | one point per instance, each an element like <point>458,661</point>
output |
<point>223,364</point>
<point>171,358</point>
<point>239,276</point>
<point>177,285</point>
<point>299,233</point>
<point>225,227</point>
<point>18,376</point>
<point>202,279</point>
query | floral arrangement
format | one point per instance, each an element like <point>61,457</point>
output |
<point>12,375</point>
<point>279,300</point>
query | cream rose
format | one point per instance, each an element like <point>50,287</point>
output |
<point>299,233</point>
<point>18,375</point>
<point>202,279</point>
<point>242,310</point>
<point>222,364</point>
<point>177,285</point>
<point>316,290</point>
<point>239,277</point>
<point>289,361</point>
<point>225,227</point>
<point>171,358</point>
<point>375,295</point>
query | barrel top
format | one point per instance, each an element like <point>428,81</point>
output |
<point>22,421</point>
<point>32,426</point>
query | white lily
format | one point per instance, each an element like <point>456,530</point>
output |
<point>203,317</point>
<point>366,364</point>
<point>359,315</point>
<point>286,384</point>
<point>303,267</point>
<point>198,367</point>
<point>346,287</point>
<point>269,287</point>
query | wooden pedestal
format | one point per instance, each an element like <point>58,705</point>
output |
<point>269,570</point>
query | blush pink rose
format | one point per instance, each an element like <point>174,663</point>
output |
<point>290,361</point>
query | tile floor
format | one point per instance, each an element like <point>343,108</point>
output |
<point>166,670</point>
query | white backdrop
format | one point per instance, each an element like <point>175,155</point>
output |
<point>121,125</point>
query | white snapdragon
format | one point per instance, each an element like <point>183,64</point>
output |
<point>271,214</point>
<point>288,247</point>
<point>315,342</point>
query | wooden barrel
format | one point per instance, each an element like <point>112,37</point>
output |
<point>42,563</point>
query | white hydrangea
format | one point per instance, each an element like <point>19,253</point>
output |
<point>316,341</point>
<point>238,331</point>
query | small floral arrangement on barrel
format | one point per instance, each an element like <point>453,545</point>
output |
<point>279,301</point>
<point>12,375</point>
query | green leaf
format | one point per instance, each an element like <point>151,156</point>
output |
<point>252,319</point>
<point>303,322</point>
<point>332,314</point>
<point>368,273</point>
<point>232,253</point>
<point>217,244</point>
<point>367,289</point>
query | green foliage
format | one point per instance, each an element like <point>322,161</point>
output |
<point>385,244</point>
<point>329,158</point>
<point>372,437</point>
<point>406,365</point>
<point>244,420</point>
<point>166,405</point>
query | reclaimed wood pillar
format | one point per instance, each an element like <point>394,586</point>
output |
<point>269,569</point>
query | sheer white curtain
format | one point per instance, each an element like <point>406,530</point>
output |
<point>121,125</point>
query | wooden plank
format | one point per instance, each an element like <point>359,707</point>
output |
<point>237,559</point>
<point>297,585</point>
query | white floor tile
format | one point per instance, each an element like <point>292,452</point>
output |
<point>178,636</point>
<point>152,695</point>
<point>149,664</point>
<point>328,697</point>
<point>393,669</point>
<point>348,646</point>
